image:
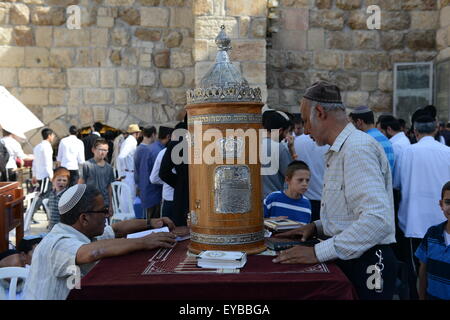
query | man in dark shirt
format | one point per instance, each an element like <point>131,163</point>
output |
<point>89,141</point>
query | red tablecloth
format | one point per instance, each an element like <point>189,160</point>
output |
<point>165,275</point>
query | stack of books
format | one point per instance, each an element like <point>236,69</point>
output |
<point>215,259</point>
<point>278,225</point>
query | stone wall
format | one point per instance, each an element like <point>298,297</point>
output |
<point>245,23</point>
<point>131,61</point>
<point>443,34</point>
<point>329,39</point>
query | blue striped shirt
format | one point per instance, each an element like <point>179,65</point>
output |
<point>434,252</point>
<point>279,204</point>
<point>385,143</point>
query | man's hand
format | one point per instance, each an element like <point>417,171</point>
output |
<point>297,254</point>
<point>33,180</point>
<point>159,239</point>
<point>161,222</point>
<point>304,232</point>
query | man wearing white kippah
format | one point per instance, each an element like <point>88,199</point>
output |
<point>81,239</point>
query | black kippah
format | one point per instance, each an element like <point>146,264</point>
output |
<point>323,91</point>
<point>424,119</point>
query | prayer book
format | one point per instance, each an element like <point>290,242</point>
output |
<point>282,224</point>
<point>215,259</point>
<point>181,232</point>
<point>277,244</point>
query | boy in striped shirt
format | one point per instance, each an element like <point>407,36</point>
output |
<point>291,203</point>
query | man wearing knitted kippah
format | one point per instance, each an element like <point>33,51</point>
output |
<point>81,239</point>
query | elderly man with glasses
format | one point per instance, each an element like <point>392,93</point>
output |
<point>81,239</point>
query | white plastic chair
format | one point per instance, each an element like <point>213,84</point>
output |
<point>122,202</point>
<point>13,273</point>
<point>32,199</point>
<point>47,209</point>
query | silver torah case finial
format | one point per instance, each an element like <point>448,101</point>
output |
<point>223,82</point>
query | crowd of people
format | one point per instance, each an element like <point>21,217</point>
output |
<point>372,191</point>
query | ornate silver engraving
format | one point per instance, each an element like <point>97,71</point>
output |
<point>232,189</point>
<point>223,82</point>
<point>193,217</point>
<point>226,118</point>
<point>229,239</point>
<point>231,147</point>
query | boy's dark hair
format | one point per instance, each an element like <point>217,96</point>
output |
<point>446,187</point>
<point>26,245</point>
<point>85,204</point>
<point>149,131</point>
<point>46,133</point>
<point>389,121</point>
<point>99,141</point>
<point>98,126</point>
<point>164,132</point>
<point>294,166</point>
<point>402,123</point>
<point>367,117</point>
<point>73,130</point>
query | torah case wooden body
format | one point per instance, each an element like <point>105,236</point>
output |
<point>224,172</point>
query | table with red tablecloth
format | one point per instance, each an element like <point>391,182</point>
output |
<point>165,274</point>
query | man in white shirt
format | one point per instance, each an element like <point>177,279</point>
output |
<point>314,156</point>
<point>15,152</point>
<point>424,168</point>
<point>71,154</point>
<point>74,245</point>
<point>43,165</point>
<point>125,160</point>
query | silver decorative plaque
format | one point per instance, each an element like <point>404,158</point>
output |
<point>227,239</point>
<point>232,189</point>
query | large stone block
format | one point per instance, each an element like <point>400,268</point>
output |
<point>39,77</point>
<point>255,73</point>
<point>165,113</point>
<point>421,40</point>
<point>71,38</point>
<point>356,98</point>
<point>6,36</point>
<point>181,18</point>
<point>441,39</point>
<point>189,77</point>
<point>173,39</point>
<point>328,19</point>
<point>356,61</point>
<point>328,60</point>
<point>443,55</point>
<point>339,40</point>
<point>130,16</point>
<point>298,60</point>
<point>246,8</point>
<point>31,96</point>
<point>379,61</point>
<point>419,5</point>
<point>145,34</point>
<point>162,58</point>
<point>369,81</point>
<point>324,4</point>
<point>316,39</point>
<point>172,78</point>
<point>86,116</point>
<point>12,57</point>
<point>127,78</point>
<point>19,14</point>
<point>147,77</point>
<point>48,16</point>
<point>200,50</point>
<point>209,27</point>
<point>44,36</point>
<point>36,57</point>
<point>295,19</point>
<point>61,57</point>
<point>75,98</point>
<point>244,26</point>
<point>181,59</point>
<point>99,37</point>
<point>203,7</point>
<point>122,96</point>
<point>346,81</point>
<point>391,40</point>
<point>120,37</point>
<point>273,98</point>
<point>98,96</point>
<point>83,77</point>
<point>358,20</point>
<point>401,56</point>
<point>385,82</point>
<point>259,28</point>
<point>4,10</point>
<point>9,77</point>
<point>154,17</point>
<point>201,68</point>
<point>348,4</point>
<point>395,20</point>
<point>248,50</point>
<point>424,20</point>
<point>177,96</point>
<point>108,78</point>
<point>52,113</point>
<point>289,97</point>
<point>151,3</point>
<point>277,59</point>
<point>425,56</point>
<point>57,97</point>
<point>293,80</point>
<point>366,40</point>
<point>445,17</point>
<point>105,22</point>
<point>290,40</point>
<point>380,101</point>
<point>123,3</point>
<point>385,4</point>
<point>23,36</point>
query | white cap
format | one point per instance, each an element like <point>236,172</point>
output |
<point>71,197</point>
